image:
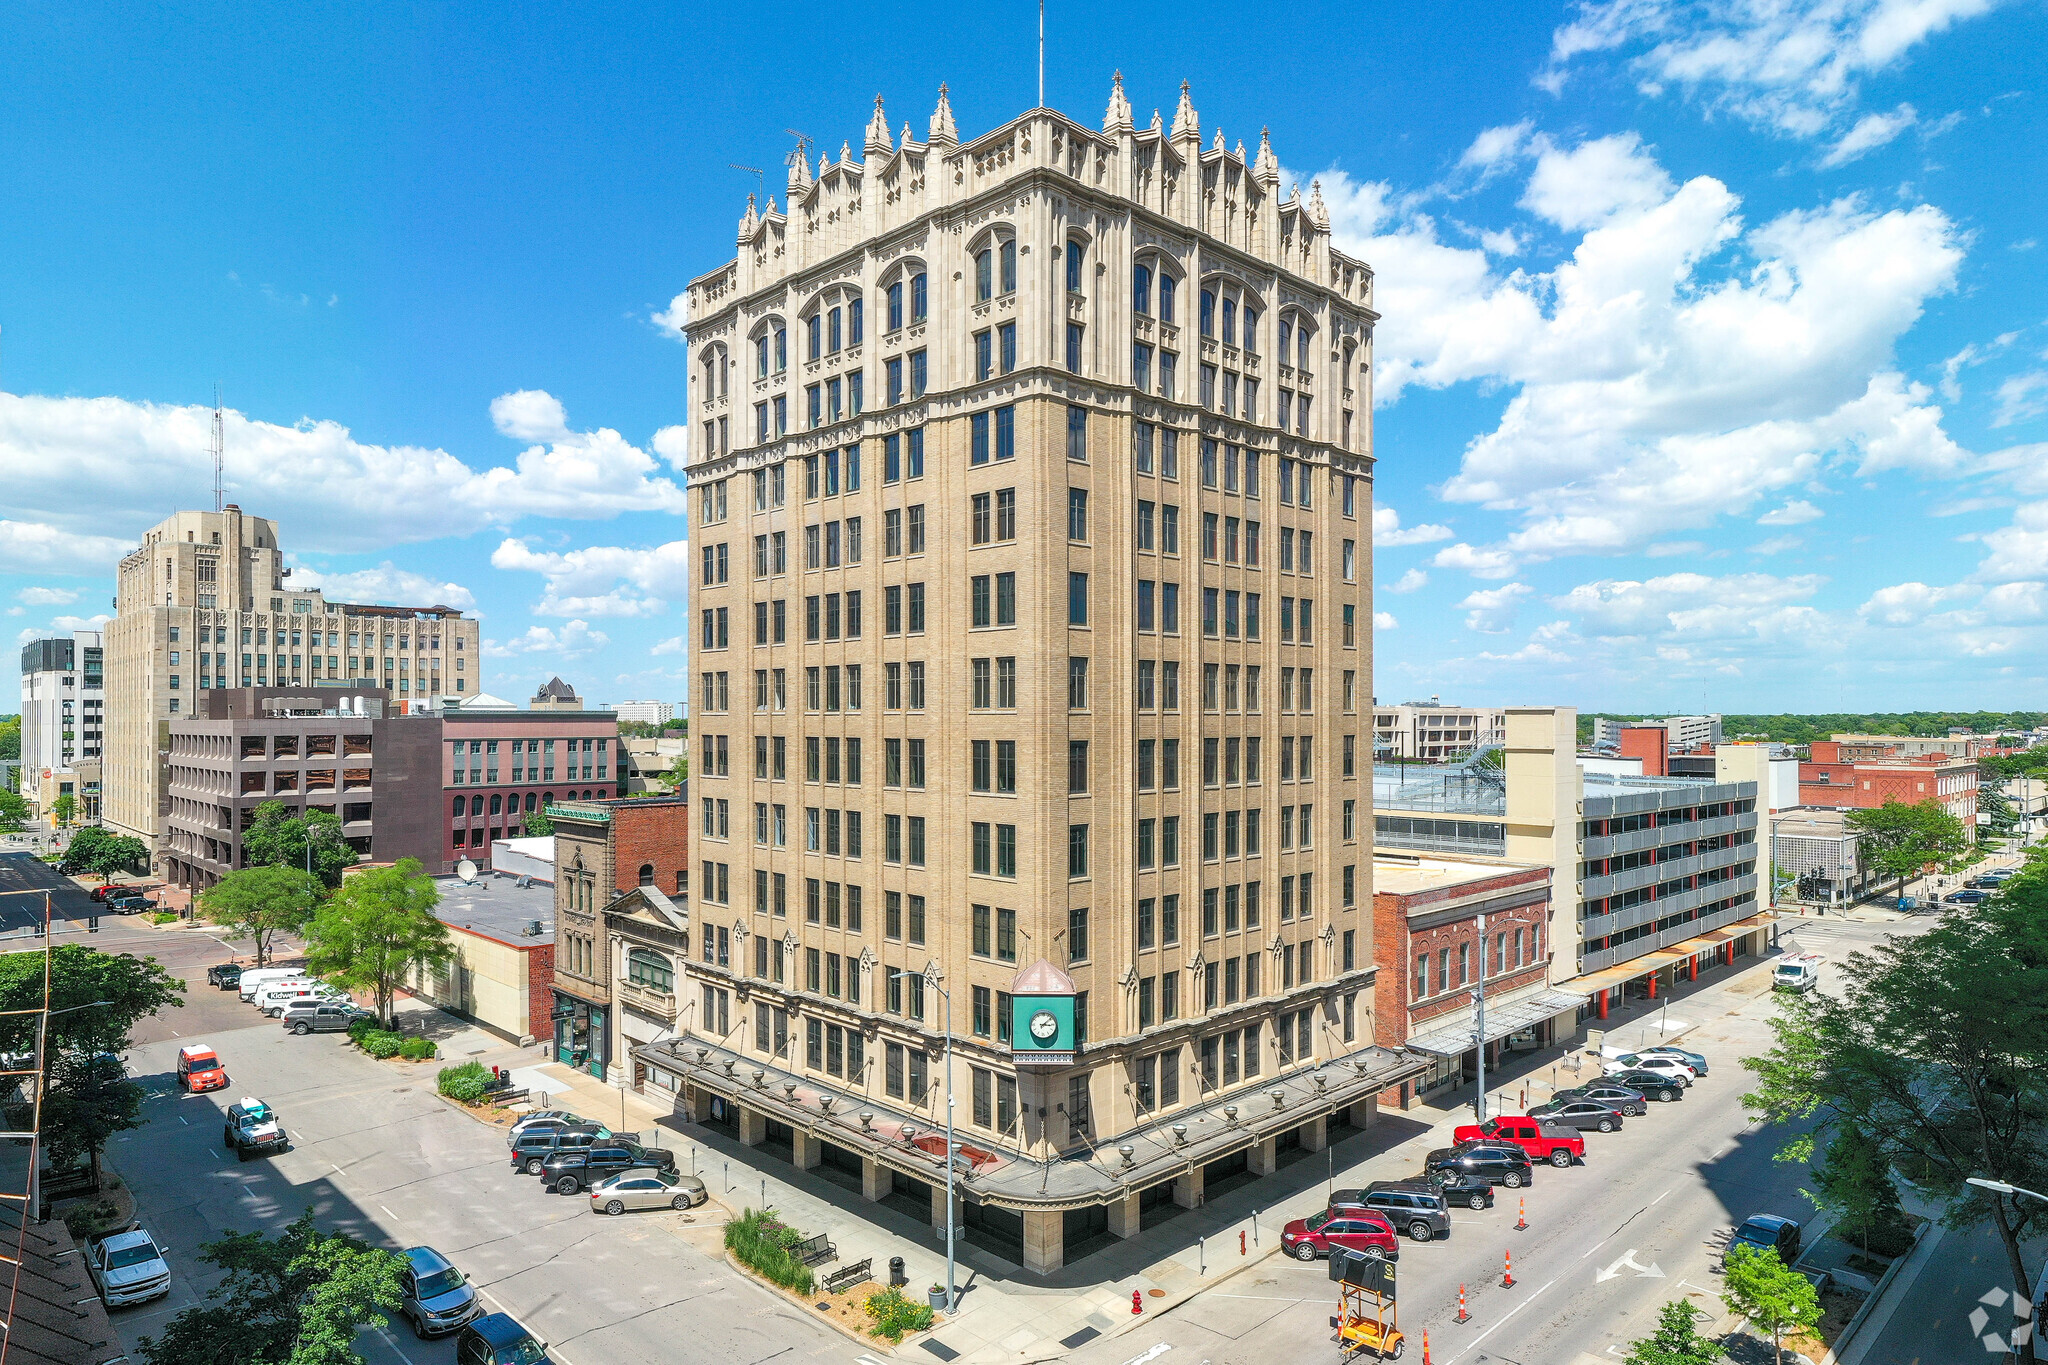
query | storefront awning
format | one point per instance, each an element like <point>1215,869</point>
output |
<point>1636,967</point>
<point>1450,1039</point>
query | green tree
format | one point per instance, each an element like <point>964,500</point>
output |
<point>1934,1052</point>
<point>64,808</point>
<point>1855,1182</point>
<point>259,902</point>
<point>1900,840</point>
<point>92,849</point>
<point>678,772</point>
<point>379,926</point>
<point>278,839</point>
<point>1677,1340</point>
<point>1769,1293</point>
<point>1992,803</point>
<point>538,826</point>
<point>134,988</point>
<point>13,812</point>
<point>89,1100</point>
<point>10,737</point>
<point>637,729</point>
<point>295,1299</point>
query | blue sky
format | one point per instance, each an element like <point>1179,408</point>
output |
<point>1713,372</point>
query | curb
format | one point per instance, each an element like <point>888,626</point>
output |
<point>1928,1236</point>
<point>872,1342</point>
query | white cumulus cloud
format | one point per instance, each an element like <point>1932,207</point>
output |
<point>1791,514</point>
<point>602,580</point>
<point>530,415</point>
<point>1871,132</point>
<point>1407,582</point>
<point>49,597</point>
<point>1388,532</point>
<point>1491,611</point>
<point>386,585</point>
<point>572,641</point>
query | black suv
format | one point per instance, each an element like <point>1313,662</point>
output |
<point>530,1151</point>
<point>574,1169</point>
<point>1473,1191</point>
<point>224,975</point>
<point>1494,1162</point>
<point>1416,1207</point>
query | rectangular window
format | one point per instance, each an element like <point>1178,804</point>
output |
<point>1077,599</point>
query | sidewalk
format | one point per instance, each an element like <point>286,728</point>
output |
<point>1009,1315</point>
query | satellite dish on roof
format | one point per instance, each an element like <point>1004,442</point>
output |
<point>466,870</point>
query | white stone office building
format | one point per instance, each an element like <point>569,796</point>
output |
<point>1032,587</point>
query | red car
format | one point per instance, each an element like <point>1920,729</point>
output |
<point>1306,1239</point>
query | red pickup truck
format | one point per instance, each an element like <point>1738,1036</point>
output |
<point>1542,1142</point>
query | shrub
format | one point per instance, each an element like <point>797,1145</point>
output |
<point>417,1049</point>
<point>465,1083</point>
<point>895,1316</point>
<point>755,1239</point>
<point>380,1044</point>
<point>164,917</point>
<point>89,1220</point>
<point>358,1027</point>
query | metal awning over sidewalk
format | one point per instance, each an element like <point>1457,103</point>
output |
<point>1609,977</point>
<point>1512,1016</point>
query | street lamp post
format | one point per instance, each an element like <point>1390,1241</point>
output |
<point>1479,1026</point>
<point>932,980</point>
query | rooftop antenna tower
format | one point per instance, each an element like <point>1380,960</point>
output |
<point>1041,54</point>
<point>803,149</point>
<point>760,180</point>
<point>219,452</point>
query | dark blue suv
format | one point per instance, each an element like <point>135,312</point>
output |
<point>498,1339</point>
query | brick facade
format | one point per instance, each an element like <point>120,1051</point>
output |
<point>540,995</point>
<point>652,832</point>
<point>1841,776</point>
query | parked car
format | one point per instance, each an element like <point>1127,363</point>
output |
<point>253,1128</point>
<point>100,893</point>
<point>1967,897</point>
<point>273,996</point>
<point>1595,1115</point>
<point>1655,1085</point>
<point>1767,1230</point>
<point>540,1116</point>
<point>1614,1094</point>
<point>646,1189</point>
<point>128,1267</point>
<point>1472,1191</point>
<point>551,1125</point>
<point>1691,1059</point>
<point>256,977</point>
<point>434,1296</point>
<point>1497,1163</point>
<point>1543,1142</point>
<point>498,1339</point>
<point>1643,1061</point>
<point>570,1169</point>
<point>130,905</point>
<point>531,1150</point>
<point>319,1016</point>
<point>1416,1207</point>
<point>1986,883</point>
<point>224,975</point>
<point>1369,1234</point>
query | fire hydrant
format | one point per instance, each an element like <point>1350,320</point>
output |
<point>1137,1303</point>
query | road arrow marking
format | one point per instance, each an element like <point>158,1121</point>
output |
<point>1628,1259</point>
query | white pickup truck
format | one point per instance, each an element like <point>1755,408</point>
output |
<point>1798,972</point>
<point>128,1267</point>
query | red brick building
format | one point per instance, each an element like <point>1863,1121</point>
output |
<point>500,764</point>
<point>1438,922</point>
<point>1863,775</point>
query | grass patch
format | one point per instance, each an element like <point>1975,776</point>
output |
<point>759,1241</point>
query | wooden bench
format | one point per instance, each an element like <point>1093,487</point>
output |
<point>505,1096</point>
<point>846,1275</point>
<point>815,1250</point>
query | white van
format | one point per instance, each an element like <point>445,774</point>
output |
<point>1799,972</point>
<point>262,976</point>
<point>272,998</point>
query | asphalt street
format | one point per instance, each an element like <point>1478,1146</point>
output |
<point>1609,1242</point>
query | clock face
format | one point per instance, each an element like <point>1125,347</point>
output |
<point>1044,1026</point>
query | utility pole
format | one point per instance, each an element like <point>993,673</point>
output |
<point>1479,1025</point>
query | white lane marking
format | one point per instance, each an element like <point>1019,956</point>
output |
<point>389,1214</point>
<point>1503,1319</point>
<point>182,1119</point>
<point>1153,1354</point>
<point>392,1342</point>
<point>1627,1258</point>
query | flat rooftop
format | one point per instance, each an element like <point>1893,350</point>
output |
<point>496,906</point>
<point>1404,876</point>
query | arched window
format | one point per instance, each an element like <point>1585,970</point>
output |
<point>1006,256</point>
<point>547,798</point>
<point>1141,289</point>
<point>984,274</point>
<point>771,347</point>
<point>496,803</point>
<point>529,800</point>
<point>647,874</point>
<point>1167,285</point>
<point>476,805</point>
<point>1251,327</point>
<point>461,804</point>
<point>1076,253</point>
<point>649,970</point>
<point>1208,314</point>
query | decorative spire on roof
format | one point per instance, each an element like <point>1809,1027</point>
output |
<point>942,120</point>
<point>1186,123</point>
<point>750,222</point>
<point>878,132</point>
<point>799,168</point>
<point>1318,211</point>
<point>1240,153</point>
<point>824,164</point>
<point>1217,145</point>
<point>772,210</point>
<point>1267,168</point>
<point>845,153</point>
<point>906,133</point>
<point>1157,122</point>
<point>1118,119</point>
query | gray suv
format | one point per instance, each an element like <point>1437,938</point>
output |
<point>1416,1207</point>
<point>435,1297</point>
<point>310,1016</point>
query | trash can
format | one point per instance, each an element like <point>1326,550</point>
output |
<point>897,1279</point>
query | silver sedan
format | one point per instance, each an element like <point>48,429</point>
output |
<point>647,1188</point>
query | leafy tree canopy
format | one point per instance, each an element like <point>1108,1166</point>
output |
<point>89,1100</point>
<point>538,826</point>
<point>1804,729</point>
<point>259,902</point>
<point>1768,1292</point>
<point>295,1299</point>
<point>1677,1340</point>
<point>374,930</point>
<point>94,850</point>
<point>134,987</point>
<point>10,736</point>
<point>1899,839</point>
<point>13,811</point>
<point>278,839</point>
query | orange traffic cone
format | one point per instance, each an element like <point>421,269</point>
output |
<point>1507,1277</point>
<point>1425,1348</point>
<point>1522,1214</point>
<point>1463,1316</point>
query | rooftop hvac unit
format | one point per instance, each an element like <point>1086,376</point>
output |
<point>533,928</point>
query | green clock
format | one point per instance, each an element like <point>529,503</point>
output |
<point>1042,1028</point>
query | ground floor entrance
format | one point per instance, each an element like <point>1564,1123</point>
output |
<point>582,1035</point>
